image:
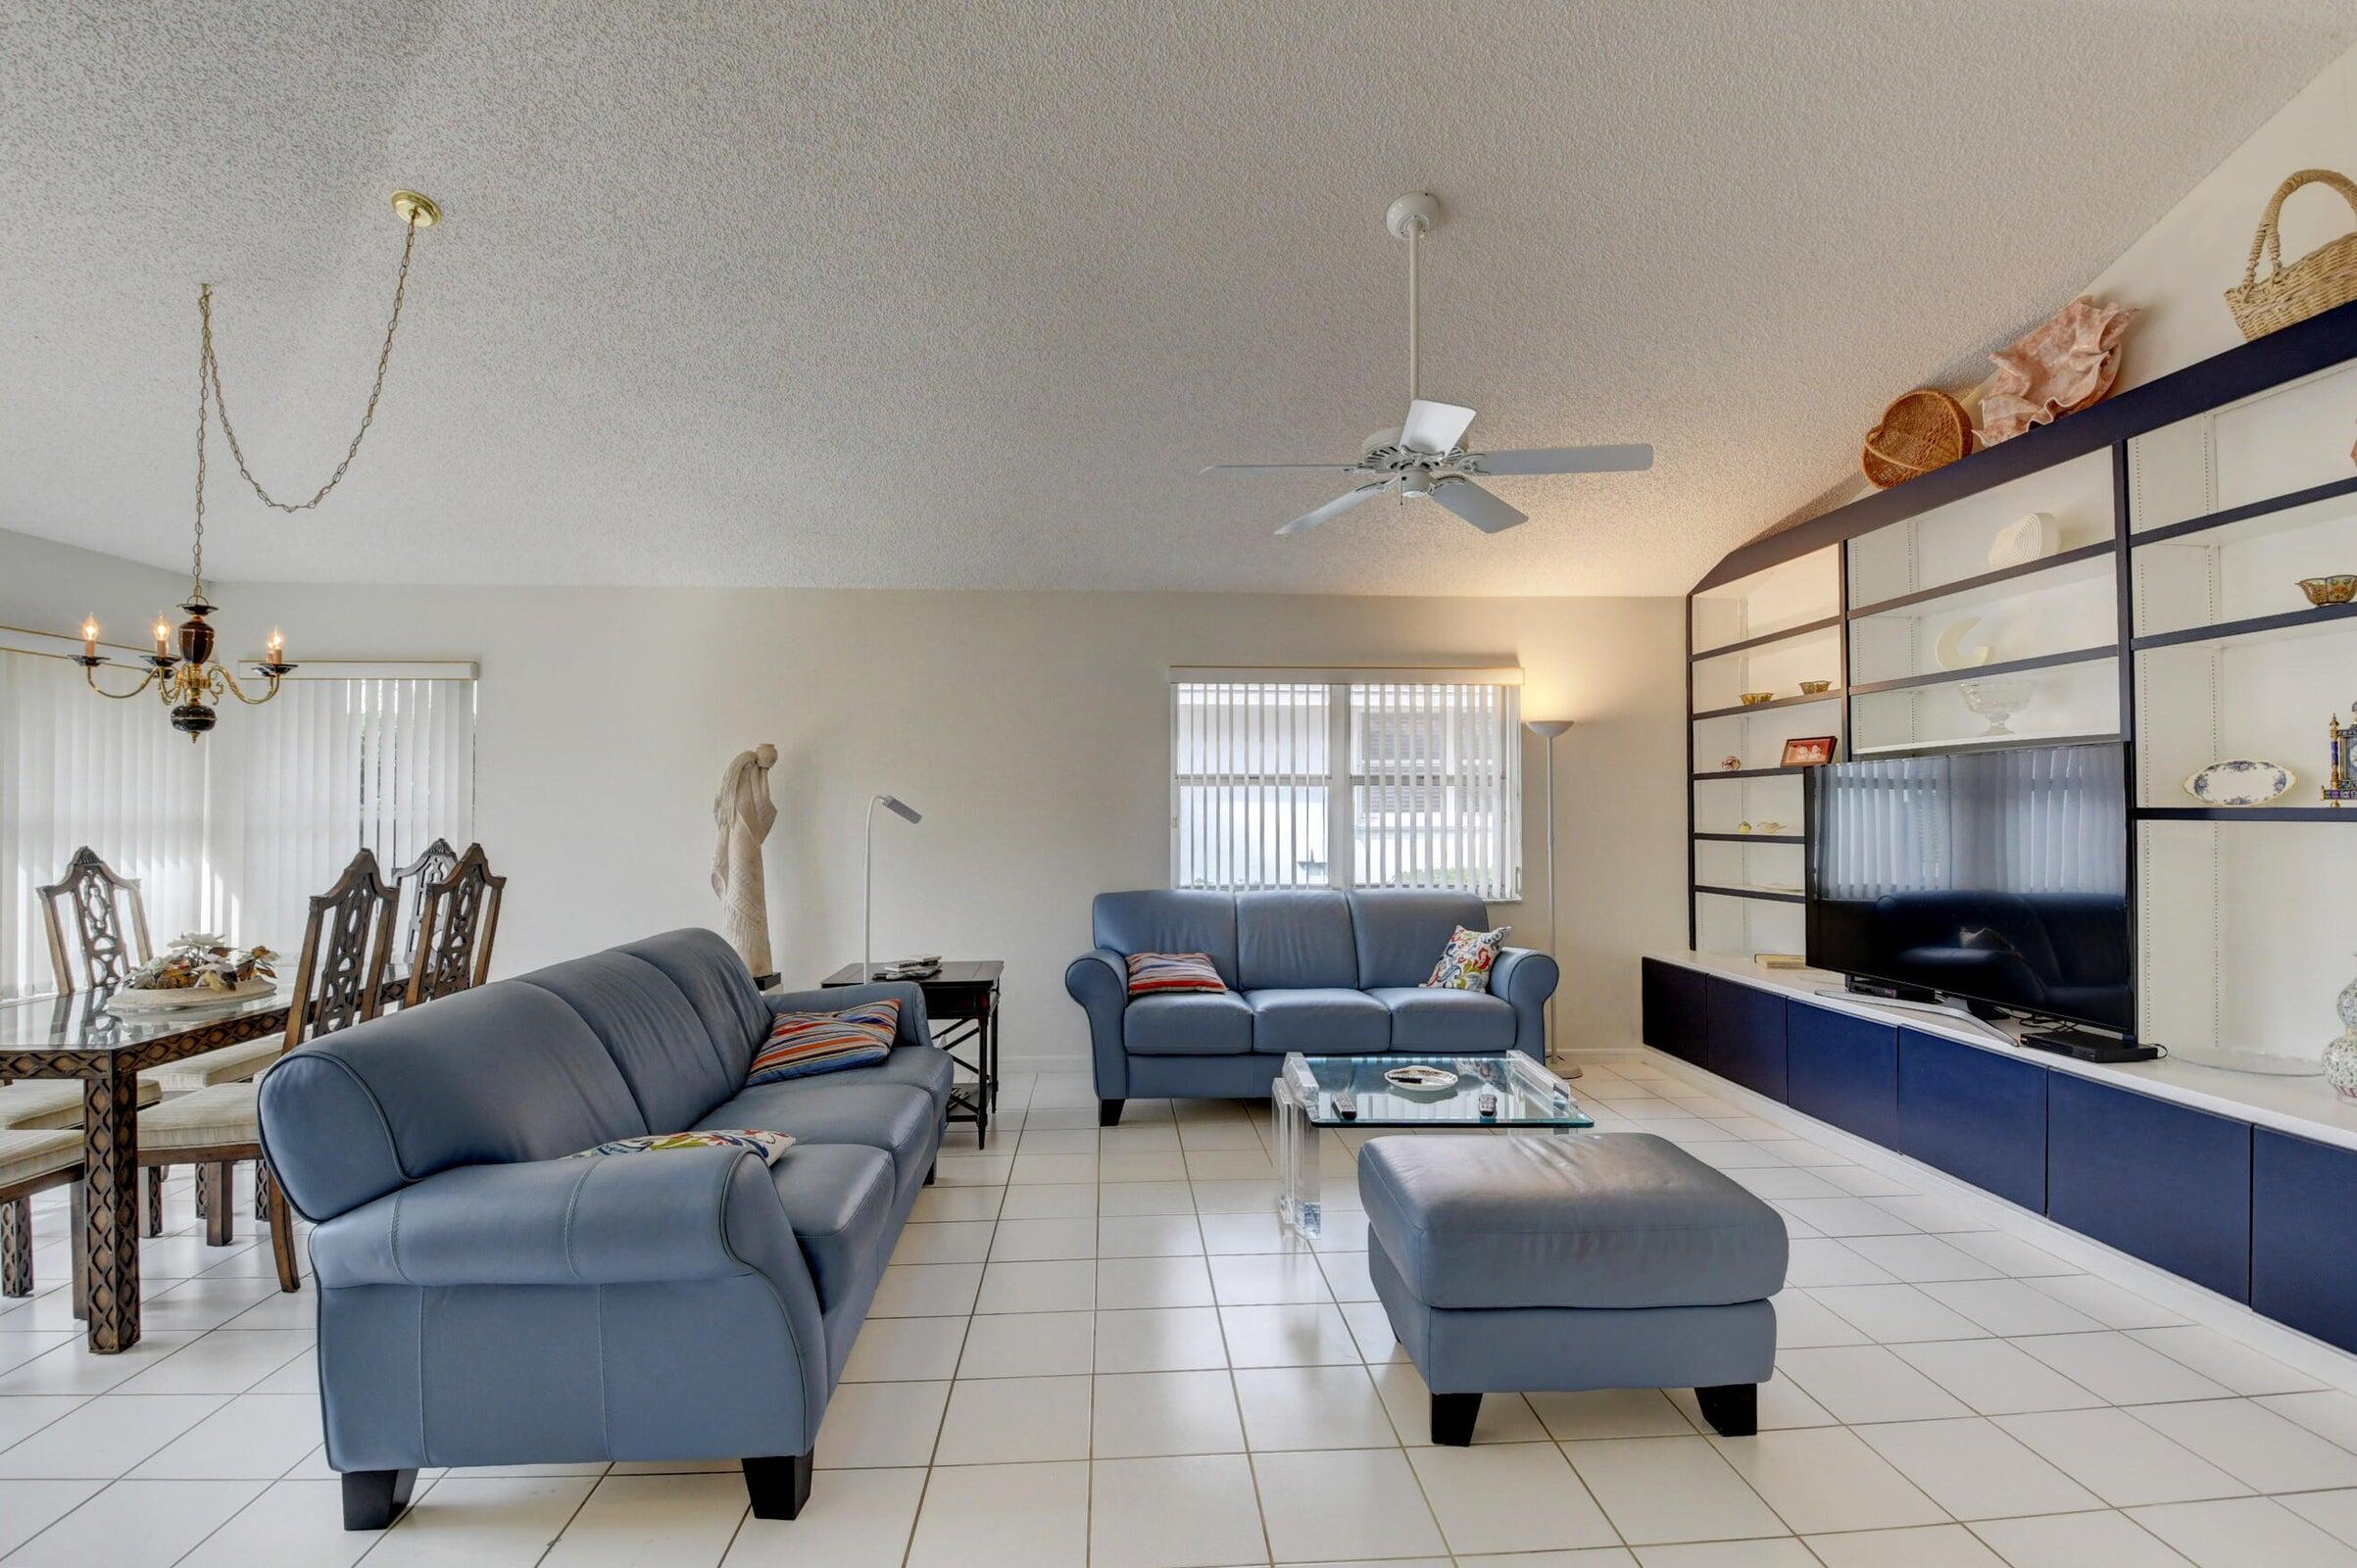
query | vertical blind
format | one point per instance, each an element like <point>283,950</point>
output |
<point>233,833</point>
<point>1281,782</point>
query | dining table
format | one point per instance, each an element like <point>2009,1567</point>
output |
<point>78,1035</point>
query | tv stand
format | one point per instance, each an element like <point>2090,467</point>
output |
<point>1952,1012</point>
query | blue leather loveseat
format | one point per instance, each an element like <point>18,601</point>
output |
<point>484,1299</point>
<point>1325,974</point>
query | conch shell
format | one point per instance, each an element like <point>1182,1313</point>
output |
<point>2060,367</point>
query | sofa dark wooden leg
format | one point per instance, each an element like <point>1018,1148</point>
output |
<point>779,1486</point>
<point>933,1170</point>
<point>1108,1112</point>
<point>1453,1418</point>
<point>1730,1408</point>
<point>374,1498</point>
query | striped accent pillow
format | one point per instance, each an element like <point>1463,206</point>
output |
<point>1152,973</point>
<point>802,1044</point>
<point>772,1147</point>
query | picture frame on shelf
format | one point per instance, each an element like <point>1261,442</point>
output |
<point>1808,751</point>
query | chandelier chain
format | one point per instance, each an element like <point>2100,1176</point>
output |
<point>209,372</point>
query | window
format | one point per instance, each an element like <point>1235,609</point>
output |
<point>233,833</point>
<point>1346,778</point>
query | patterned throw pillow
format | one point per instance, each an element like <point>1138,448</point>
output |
<point>1465,963</point>
<point>1152,973</point>
<point>770,1145</point>
<point>802,1044</point>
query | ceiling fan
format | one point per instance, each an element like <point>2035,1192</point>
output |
<point>1425,455</point>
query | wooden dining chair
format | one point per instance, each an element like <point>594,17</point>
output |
<point>338,980</point>
<point>108,940</point>
<point>416,880</point>
<point>32,1160</point>
<point>453,939</point>
<point>109,944</point>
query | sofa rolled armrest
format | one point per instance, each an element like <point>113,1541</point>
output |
<point>666,1217</point>
<point>914,1028</point>
<point>1524,978</point>
<point>1099,980</point>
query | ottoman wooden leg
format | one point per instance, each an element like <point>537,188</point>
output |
<point>1730,1408</point>
<point>1453,1419</point>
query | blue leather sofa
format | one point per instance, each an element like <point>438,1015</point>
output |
<point>1321,972</point>
<point>484,1299</point>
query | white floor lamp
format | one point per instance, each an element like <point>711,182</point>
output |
<point>868,899</point>
<point>1548,729</point>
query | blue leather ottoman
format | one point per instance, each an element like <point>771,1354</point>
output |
<point>1594,1261</point>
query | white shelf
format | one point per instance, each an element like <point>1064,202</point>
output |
<point>1721,679</point>
<point>1791,594</point>
<point>2069,606</point>
<point>2066,701</point>
<point>1951,543</point>
<point>2242,571</point>
<point>2263,698</point>
<point>2285,439</point>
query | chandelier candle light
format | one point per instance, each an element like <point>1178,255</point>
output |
<point>190,680</point>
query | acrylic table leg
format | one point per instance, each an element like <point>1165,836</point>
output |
<point>111,1220</point>
<point>1296,1161</point>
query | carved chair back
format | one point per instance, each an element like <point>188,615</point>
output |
<point>433,863</point>
<point>110,944</point>
<point>347,946</point>
<point>460,919</point>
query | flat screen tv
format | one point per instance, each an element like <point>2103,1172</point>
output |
<point>1997,877</point>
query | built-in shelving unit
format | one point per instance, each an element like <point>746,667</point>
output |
<point>2159,603</point>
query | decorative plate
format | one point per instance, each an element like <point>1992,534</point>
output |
<point>2240,782</point>
<point>1420,1077</point>
<point>2032,538</point>
<point>183,997</point>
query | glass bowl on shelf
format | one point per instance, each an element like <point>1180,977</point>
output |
<point>1998,700</point>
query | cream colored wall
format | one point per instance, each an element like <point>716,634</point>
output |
<point>1031,729</point>
<point>2177,272</point>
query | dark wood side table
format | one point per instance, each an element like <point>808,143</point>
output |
<point>963,1004</point>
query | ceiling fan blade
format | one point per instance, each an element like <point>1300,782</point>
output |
<point>1278,468</point>
<point>1335,507</point>
<point>1477,506</point>
<point>1434,426</point>
<point>1562,459</point>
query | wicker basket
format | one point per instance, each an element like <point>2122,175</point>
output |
<point>1921,430</point>
<point>2324,278</point>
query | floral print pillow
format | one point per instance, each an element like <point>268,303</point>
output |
<point>1465,963</point>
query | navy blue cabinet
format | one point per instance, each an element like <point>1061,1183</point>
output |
<point>1842,1069</point>
<point>1976,1114</point>
<point>2303,1235</point>
<point>2169,1184</point>
<point>1747,1036</point>
<point>1675,1014</point>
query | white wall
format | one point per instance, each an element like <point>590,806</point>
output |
<point>1030,728</point>
<point>2177,273</point>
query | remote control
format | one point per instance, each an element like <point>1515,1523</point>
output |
<point>1346,1106</point>
<point>1489,1102</point>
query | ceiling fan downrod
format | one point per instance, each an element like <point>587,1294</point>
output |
<point>1411,218</point>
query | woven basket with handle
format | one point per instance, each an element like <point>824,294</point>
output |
<point>2324,278</point>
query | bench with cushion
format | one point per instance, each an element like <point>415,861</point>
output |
<point>1559,1264</point>
<point>1321,972</point>
<point>484,1299</point>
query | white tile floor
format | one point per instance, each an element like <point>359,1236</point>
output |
<point>1101,1349</point>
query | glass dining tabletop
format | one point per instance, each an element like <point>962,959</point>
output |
<point>84,1022</point>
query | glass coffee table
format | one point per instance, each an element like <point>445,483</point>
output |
<point>1313,1091</point>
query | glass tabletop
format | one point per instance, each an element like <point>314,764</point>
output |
<point>80,1020</point>
<point>1527,1095</point>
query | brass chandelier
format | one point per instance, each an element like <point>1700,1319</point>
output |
<point>182,669</point>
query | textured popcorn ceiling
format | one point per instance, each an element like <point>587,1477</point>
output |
<point>937,294</point>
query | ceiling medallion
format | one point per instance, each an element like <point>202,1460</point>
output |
<point>182,669</point>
